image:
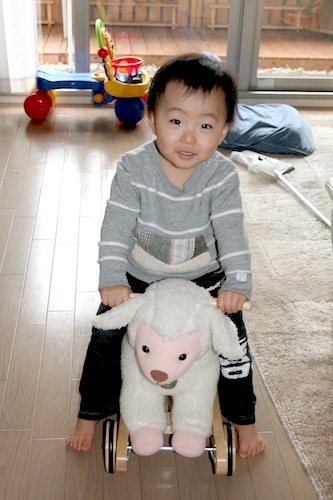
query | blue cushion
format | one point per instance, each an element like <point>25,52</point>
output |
<point>269,128</point>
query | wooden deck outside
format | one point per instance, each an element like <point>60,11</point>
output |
<point>282,48</point>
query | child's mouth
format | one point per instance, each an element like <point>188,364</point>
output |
<point>186,154</point>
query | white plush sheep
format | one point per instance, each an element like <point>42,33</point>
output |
<point>171,348</point>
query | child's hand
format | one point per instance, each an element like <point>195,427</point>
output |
<point>114,295</point>
<point>230,302</point>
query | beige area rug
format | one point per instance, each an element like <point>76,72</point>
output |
<point>290,328</point>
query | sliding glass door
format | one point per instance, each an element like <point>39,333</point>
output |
<point>286,45</point>
<point>271,45</point>
<point>157,29</point>
<point>151,29</point>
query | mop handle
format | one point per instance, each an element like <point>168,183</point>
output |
<point>247,306</point>
<point>303,199</point>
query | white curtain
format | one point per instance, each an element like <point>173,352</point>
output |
<point>18,42</point>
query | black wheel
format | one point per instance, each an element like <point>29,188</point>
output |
<point>231,441</point>
<point>109,444</point>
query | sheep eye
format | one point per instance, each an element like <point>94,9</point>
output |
<point>145,348</point>
<point>182,357</point>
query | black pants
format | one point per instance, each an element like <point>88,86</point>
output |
<point>101,377</point>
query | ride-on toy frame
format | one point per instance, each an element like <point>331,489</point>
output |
<point>222,449</point>
<point>123,80</point>
<point>223,440</point>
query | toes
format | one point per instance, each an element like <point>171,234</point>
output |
<point>85,446</point>
<point>70,442</point>
<point>77,444</point>
<point>82,436</point>
<point>251,452</point>
<point>242,454</point>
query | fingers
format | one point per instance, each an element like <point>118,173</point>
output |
<point>112,296</point>
<point>230,302</point>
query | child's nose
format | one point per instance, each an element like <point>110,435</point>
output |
<point>188,137</point>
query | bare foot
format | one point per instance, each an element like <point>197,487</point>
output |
<point>250,443</point>
<point>82,435</point>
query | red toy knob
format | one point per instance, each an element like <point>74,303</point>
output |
<point>103,52</point>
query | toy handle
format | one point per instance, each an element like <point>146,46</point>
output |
<point>247,306</point>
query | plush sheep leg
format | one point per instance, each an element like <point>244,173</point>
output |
<point>188,443</point>
<point>193,406</point>
<point>146,440</point>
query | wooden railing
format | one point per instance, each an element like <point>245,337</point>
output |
<point>221,21</point>
<point>137,12</point>
<point>278,14</point>
<point>46,13</point>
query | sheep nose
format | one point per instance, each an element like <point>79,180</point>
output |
<point>159,376</point>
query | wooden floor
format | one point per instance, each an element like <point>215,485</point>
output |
<point>281,48</point>
<point>55,180</point>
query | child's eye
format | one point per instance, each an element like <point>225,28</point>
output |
<point>206,126</point>
<point>175,121</point>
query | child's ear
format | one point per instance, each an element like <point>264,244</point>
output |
<point>151,120</point>
<point>225,131</point>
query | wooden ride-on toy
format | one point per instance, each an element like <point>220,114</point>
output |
<point>122,80</point>
<point>222,450</point>
<point>153,372</point>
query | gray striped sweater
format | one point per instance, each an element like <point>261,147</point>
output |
<point>154,230</point>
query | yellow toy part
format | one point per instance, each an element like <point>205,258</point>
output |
<point>105,41</point>
<point>99,98</point>
<point>99,75</point>
<point>52,94</point>
<point>118,89</point>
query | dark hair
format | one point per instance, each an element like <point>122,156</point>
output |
<point>202,71</point>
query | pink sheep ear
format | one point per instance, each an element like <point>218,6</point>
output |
<point>118,316</point>
<point>224,335</point>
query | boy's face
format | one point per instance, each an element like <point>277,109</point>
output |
<point>188,126</point>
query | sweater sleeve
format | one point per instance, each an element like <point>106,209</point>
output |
<point>231,239</point>
<point>121,213</point>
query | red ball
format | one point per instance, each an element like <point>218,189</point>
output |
<point>103,52</point>
<point>38,105</point>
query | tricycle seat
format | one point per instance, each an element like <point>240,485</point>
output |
<point>48,78</point>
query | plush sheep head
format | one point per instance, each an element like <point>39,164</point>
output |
<point>170,326</point>
<point>164,361</point>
